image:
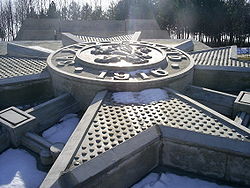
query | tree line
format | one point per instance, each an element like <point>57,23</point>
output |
<point>215,22</point>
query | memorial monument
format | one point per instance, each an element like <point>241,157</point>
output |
<point>195,122</point>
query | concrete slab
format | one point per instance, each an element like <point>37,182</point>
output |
<point>242,102</point>
<point>17,123</point>
<point>13,117</point>
<point>219,101</point>
<point>17,50</point>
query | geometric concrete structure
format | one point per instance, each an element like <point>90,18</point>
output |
<point>24,51</point>
<point>221,63</point>
<point>219,101</point>
<point>23,81</point>
<point>17,123</point>
<point>193,129</point>
<point>110,130</point>
<point>186,46</point>
<point>243,118</point>
<point>242,102</point>
<point>68,38</point>
<point>21,127</point>
<point>51,29</point>
<point>47,151</point>
<point>118,66</point>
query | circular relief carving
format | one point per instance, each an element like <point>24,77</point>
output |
<point>119,62</point>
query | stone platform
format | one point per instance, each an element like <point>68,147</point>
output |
<point>115,140</point>
<point>107,127</point>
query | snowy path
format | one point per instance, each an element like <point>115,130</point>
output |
<point>18,167</point>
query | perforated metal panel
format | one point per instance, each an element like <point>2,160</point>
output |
<point>115,123</point>
<point>13,66</point>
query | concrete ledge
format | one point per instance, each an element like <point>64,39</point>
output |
<point>223,68</point>
<point>24,90</point>
<point>136,36</point>
<point>4,139</point>
<point>187,150</point>
<point>219,101</point>
<point>222,78</point>
<point>17,50</point>
<point>73,143</point>
<point>133,159</point>
<point>50,112</point>
<point>154,34</point>
<point>211,49</point>
<point>230,123</point>
<point>208,155</point>
<point>209,141</point>
<point>27,78</point>
<point>242,102</point>
<point>186,46</point>
<point>233,52</point>
<point>68,39</point>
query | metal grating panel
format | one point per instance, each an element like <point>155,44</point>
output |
<point>15,66</point>
<point>217,57</point>
<point>105,39</point>
<point>115,123</point>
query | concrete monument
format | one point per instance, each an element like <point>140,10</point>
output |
<point>199,126</point>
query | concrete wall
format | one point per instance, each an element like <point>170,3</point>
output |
<point>50,29</point>
<point>140,24</point>
<point>219,101</point>
<point>26,92</point>
<point>210,156</point>
<point>92,25</point>
<point>227,79</point>
<point>42,29</point>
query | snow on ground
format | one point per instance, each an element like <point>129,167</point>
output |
<point>18,169</point>
<point>169,180</point>
<point>143,97</point>
<point>61,131</point>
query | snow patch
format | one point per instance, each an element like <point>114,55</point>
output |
<point>169,180</point>
<point>61,132</point>
<point>143,97</point>
<point>18,169</point>
<point>68,116</point>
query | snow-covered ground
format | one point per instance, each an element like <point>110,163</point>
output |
<point>169,180</point>
<point>61,131</point>
<point>18,168</point>
<point>143,97</point>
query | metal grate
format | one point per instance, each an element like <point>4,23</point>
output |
<point>115,123</point>
<point>15,66</point>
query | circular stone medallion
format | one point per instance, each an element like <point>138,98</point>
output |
<point>119,65</point>
<point>120,56</point>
